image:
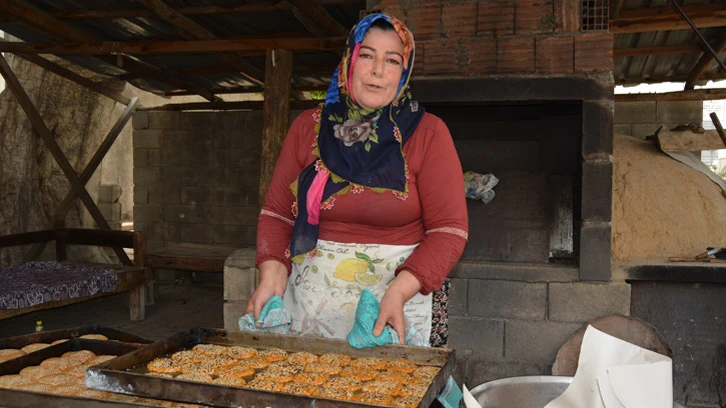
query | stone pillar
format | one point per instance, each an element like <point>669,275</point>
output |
<point>240,280</point>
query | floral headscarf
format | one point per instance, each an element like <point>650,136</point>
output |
<point>356,147</point>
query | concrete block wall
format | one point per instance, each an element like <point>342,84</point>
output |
<point>509,320</point>
<point>641,119</point>
<point>196,177</point>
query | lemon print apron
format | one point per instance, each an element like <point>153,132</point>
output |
<point>323,291</point>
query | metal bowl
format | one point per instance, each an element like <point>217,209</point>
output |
<point>520,392</point>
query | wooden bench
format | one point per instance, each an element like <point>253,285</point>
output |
<point>189,258</point>
<point>131,278</point>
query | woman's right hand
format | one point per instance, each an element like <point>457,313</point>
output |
<point>273,281</point>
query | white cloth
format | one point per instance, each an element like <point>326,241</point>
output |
<point>323,291</point>
<point>613,373</point>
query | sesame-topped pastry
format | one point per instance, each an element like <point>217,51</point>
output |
<point>59,341</point>
<point>239,371</point>
<point>36,387</point>
<point>298,388</point>
<point>210,349</point>
<point>39,371</point>
<point>15,380</point>
<point>267,385</point>
<point>159,374</point>
<point>381,387</point>
<point>390,375</point>
<point>369,363</point>
<point>164,365</point>
<point>334,393</point>
<point>81,355</point>
<point>78,371</point>
<point>99,359</point>
<point>230,380</point>
<point>275,375</point>
<point>272,354</point>
<point>359,373</point>
<point>426,372</point>
<point>187,356</point>
<point>303,357</point>
<point>34,347</point>
<point>196,376</point>
<point>322,368</point>
<point>94,336</point>
<point>59,379</point>
<point>288,366</point>
<point>70,390</point>
<point>408,401</point>
<point>240,352</point>
<point>256,362</point>
<point>418,390</point>
<point>343,383</point>
<point>401,364</point>
<point>199,367</point>
<point>60,363</point>
<point>9,354</point>
<point>312,378</point>
<point>335,358</point>
<point>374,398</point>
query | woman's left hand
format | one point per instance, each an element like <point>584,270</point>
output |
<point>403,288</point>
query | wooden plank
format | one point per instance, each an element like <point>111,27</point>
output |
<point>687,141</point>
<point>55,150</point>
<point>167,47</point>
<point>705,61</point>
<point>666,19</point>
<point>91,167</point>
<point>275,113</point>
<point>190,257</point>
<point>709,260</point>
<point>715,76</point>
<point>252,91</point>
<point>252,7</point>
<point>26,238</point>
<point>238,105</point>
<point>695,95</point>
<point>658,50</point>
<point>719,128</point>
<point>137,303</point>
<point>72,76</point>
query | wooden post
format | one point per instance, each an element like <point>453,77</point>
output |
<point>275,113</point>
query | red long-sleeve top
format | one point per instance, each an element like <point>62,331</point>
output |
<point>433,215</point>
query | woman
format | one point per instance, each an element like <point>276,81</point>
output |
<point>367,194</point>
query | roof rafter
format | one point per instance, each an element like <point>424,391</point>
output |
<point>658,50</point>
<point>706,59</point>
<point>191,30</point>
<point>36,17</point>
<point>317,15</point>
<point>666,19</point>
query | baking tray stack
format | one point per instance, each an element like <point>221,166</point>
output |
<point>18,342</point>
<point>127,374</point>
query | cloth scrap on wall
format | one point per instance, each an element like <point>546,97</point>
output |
<point>480,186</point>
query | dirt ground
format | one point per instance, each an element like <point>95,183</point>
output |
<point>177,308</point>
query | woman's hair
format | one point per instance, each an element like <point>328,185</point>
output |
<point>382,24</point>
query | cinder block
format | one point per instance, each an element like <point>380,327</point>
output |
<point>179,175</point>
<point>459,20</point>
<point>495,18</point>
<point>232,312</point>
<point>424,22</point>
<point>481,371</point>
<point>110,211</point>
<point>582,302</point>
<point>680,112</point>
<point>594,52</point>
<point>515,55</point>
<point>239,283</point>
<point>242,258</point>
<point>595,247</point>
<point>154,157</point>
<point>641,131</point>
<point>555,55</point>
<point>199,233</point>
<point>147,176</point>
<point>164,120</point>
<point>141,195</point>
<point>148,138</point>
<point>507,300</point>
<point>153,230</point>
<point>440,56</point>
<point>597,191</point>
<point>535,342</point>
<point>534,17</point>
<point>635,112</point>
<point>479,337</point>
<point>230,234</point>
<point>623,129</point>
<point>458,297</point>
<point>140,120</point>
<point>597,127</point>
<point>109,193</point>
<point>147,212</point>
<point>141,157</point>
<point>172,231</point>
<point>184,214</point>
<point>479,55</point>
<point>198,196</point>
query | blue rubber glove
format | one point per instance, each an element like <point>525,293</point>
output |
<point>274,318</point>
<point>451,395</point>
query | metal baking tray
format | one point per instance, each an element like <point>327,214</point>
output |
<point>53,335</point>
<point>27,399</point>
<point>125,373</point>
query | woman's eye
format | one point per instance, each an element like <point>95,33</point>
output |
<point>365,56</point>
<point>394,61</point>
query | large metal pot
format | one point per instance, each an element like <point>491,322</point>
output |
<point>523,392</point>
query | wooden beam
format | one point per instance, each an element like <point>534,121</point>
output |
<point>72,76</point>
<point>667,19</point>
<point>275,114</point>
<point>705,61</point>
<point>687,141</point>
<point>55,150</point>
<point>615,7</point>
<point>252,7</point>
<point>250,91</point>
<point>38,18</point>
<point>193,31</point>
<point>696,95</point>
<point>167,47</point>
<point>228,69</point>
<point>317,13</point>
<point>238,105</point>
<point>658,50</point>
<point>716,76</point>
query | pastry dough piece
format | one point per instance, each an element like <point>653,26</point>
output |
<point>409,401</point>
<point>343,383</point>
<point>39,371</point>
<point>99,359</point>
<point>256,362</point>
<point>158,374</point>
<point>389,375</point>
<point>303,357</point>
<point>275,375</point>
<point>15,380</point>
<point>322,368</point>
<point>60,363</point>
<point>197,376</point>
<point>70,390</point>
<point>287,366</point>
<point>34,347</point>
<point>59,379</point>
<point>188,356</point>
<point>359,373</point>
<point>36,387</point>
<point>267,385</point>
<point>210,349</point>
<point>401,364</point>
<point>163,365</point>
<point>230,380</point>
<point>374,398</point>
<point>334,393</point>
<point>381,387</point>
<point>9,354</point>
<point>426,372</point>
<point>299,388</point>
<point>199,367</point>
<point>78,371</point>
<point>312,378</point>
<point>369,363</point>
<point>238,371</point>
<point>240,352</point>
<point>59,341</point>
<point>415,390</point>
<point>335,359</point>
<point>94,336</point>
<point>272,354</point>
<point>81,355</point>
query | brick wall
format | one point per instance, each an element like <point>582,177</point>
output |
<point>523,37</point>
<point>196,177</point>
<point>641,119</point>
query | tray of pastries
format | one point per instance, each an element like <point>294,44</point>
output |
<point>47,376</point>
<point>230,368</point>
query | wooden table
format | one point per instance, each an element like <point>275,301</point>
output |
<point>188,258</point>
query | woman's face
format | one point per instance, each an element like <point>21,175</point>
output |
<point>378,69</point>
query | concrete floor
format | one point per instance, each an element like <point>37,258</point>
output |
<point>177,308</point>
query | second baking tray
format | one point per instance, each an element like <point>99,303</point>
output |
<point>123,374</point>
<point>53,335</point>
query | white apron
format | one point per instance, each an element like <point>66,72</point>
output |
<point>322,293</point>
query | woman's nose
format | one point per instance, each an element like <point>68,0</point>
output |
<point>378,67</point>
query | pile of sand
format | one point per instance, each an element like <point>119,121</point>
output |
<point>661,207</point>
